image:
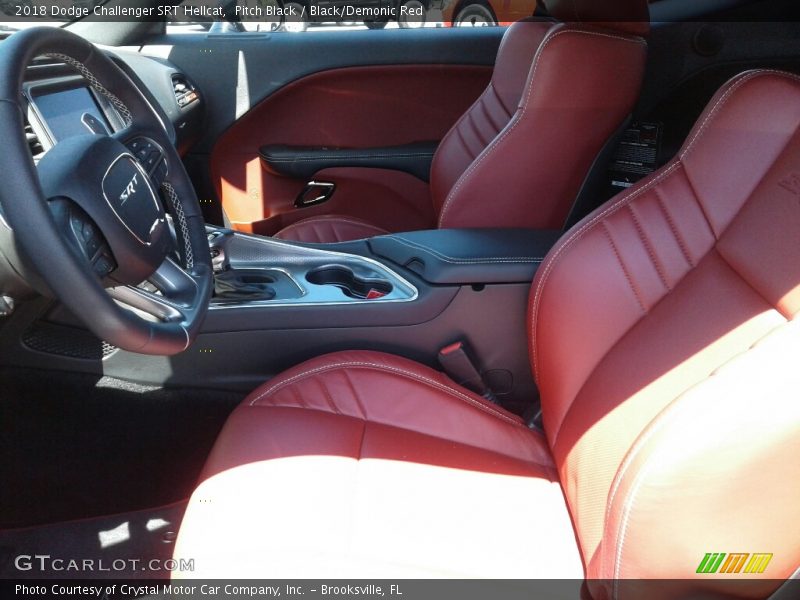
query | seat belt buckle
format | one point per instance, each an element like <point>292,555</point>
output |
<point>458,365</point>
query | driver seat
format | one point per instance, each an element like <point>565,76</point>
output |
<point>664,339</point>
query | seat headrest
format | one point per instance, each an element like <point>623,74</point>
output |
<point>626,16</point>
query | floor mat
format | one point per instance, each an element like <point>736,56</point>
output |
<point>128,545</point>
<point>75,446</point>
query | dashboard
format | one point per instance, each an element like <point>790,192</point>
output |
<point>61,108</point>
<point>69,112</point>
<point>61,104</point>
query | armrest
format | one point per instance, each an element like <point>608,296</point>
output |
<point>464,256</point>
<point>302,162</point>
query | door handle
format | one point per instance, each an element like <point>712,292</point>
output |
<point>315,192</point>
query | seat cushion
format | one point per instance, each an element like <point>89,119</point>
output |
<point>329,229</point>
<point>386,469</point>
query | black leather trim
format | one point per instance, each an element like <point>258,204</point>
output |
<point>468,256</point>
<point>303,162</point>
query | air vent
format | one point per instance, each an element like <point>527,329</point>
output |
<point>185,92</point>
<point>35,146</point>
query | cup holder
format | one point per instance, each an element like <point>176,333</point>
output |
<point>353,286</point>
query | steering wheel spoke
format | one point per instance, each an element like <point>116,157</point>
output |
<point>169,295</point>
<point>149,150</point>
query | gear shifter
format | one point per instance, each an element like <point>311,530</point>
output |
<point>216,245</point>
<point>243,284</point>
<point>236,284</point>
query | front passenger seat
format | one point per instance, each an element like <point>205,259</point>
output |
<point>519,155</point>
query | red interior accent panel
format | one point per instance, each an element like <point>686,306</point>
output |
<point>390,200</point>
<point>352,107</point>
<point>326,229</point>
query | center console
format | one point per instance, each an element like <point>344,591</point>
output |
<point>255,271</point>
<point>278,303</point>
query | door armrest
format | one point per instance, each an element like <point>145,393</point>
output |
<point>303,162</point>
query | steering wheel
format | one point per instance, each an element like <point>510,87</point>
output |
<point>90,217</point>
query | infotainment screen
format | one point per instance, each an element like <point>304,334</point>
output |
<point>62,111</point>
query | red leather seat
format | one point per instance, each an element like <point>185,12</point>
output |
<point>519,155</point>
<point>664,339</point>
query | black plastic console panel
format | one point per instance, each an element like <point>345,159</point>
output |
<point>468,256</point>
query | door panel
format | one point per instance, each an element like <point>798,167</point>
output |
<point>392,200</point>
<point>336,89</point>
<point>356,107</point>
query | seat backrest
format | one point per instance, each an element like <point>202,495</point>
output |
<point>559,91</point>
<point>666,347</point>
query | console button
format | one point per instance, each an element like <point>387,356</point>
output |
<point>151,159</point>
<point>92,246</point>
<point>87,231</point>
<point>103,265</point>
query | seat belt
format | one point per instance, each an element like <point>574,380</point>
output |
<point>458,365</point>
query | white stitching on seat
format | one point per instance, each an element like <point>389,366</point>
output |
<point>402,372</point>
<point>743,78</point>
<point>521,110</point>
<point>354,221</point>
<point>331,218</point>
<point>623,468</point>
<point>578,234</point>
<point>455,129</point>
<point>125,113</point>
<point>676,405</point>
<point>593,221</point>
<point>468,261</point>
<point>629,197</point>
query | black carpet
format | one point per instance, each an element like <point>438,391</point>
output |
<point>73,446</point>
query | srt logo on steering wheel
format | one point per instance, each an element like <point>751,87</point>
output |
<point>129,190</point>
